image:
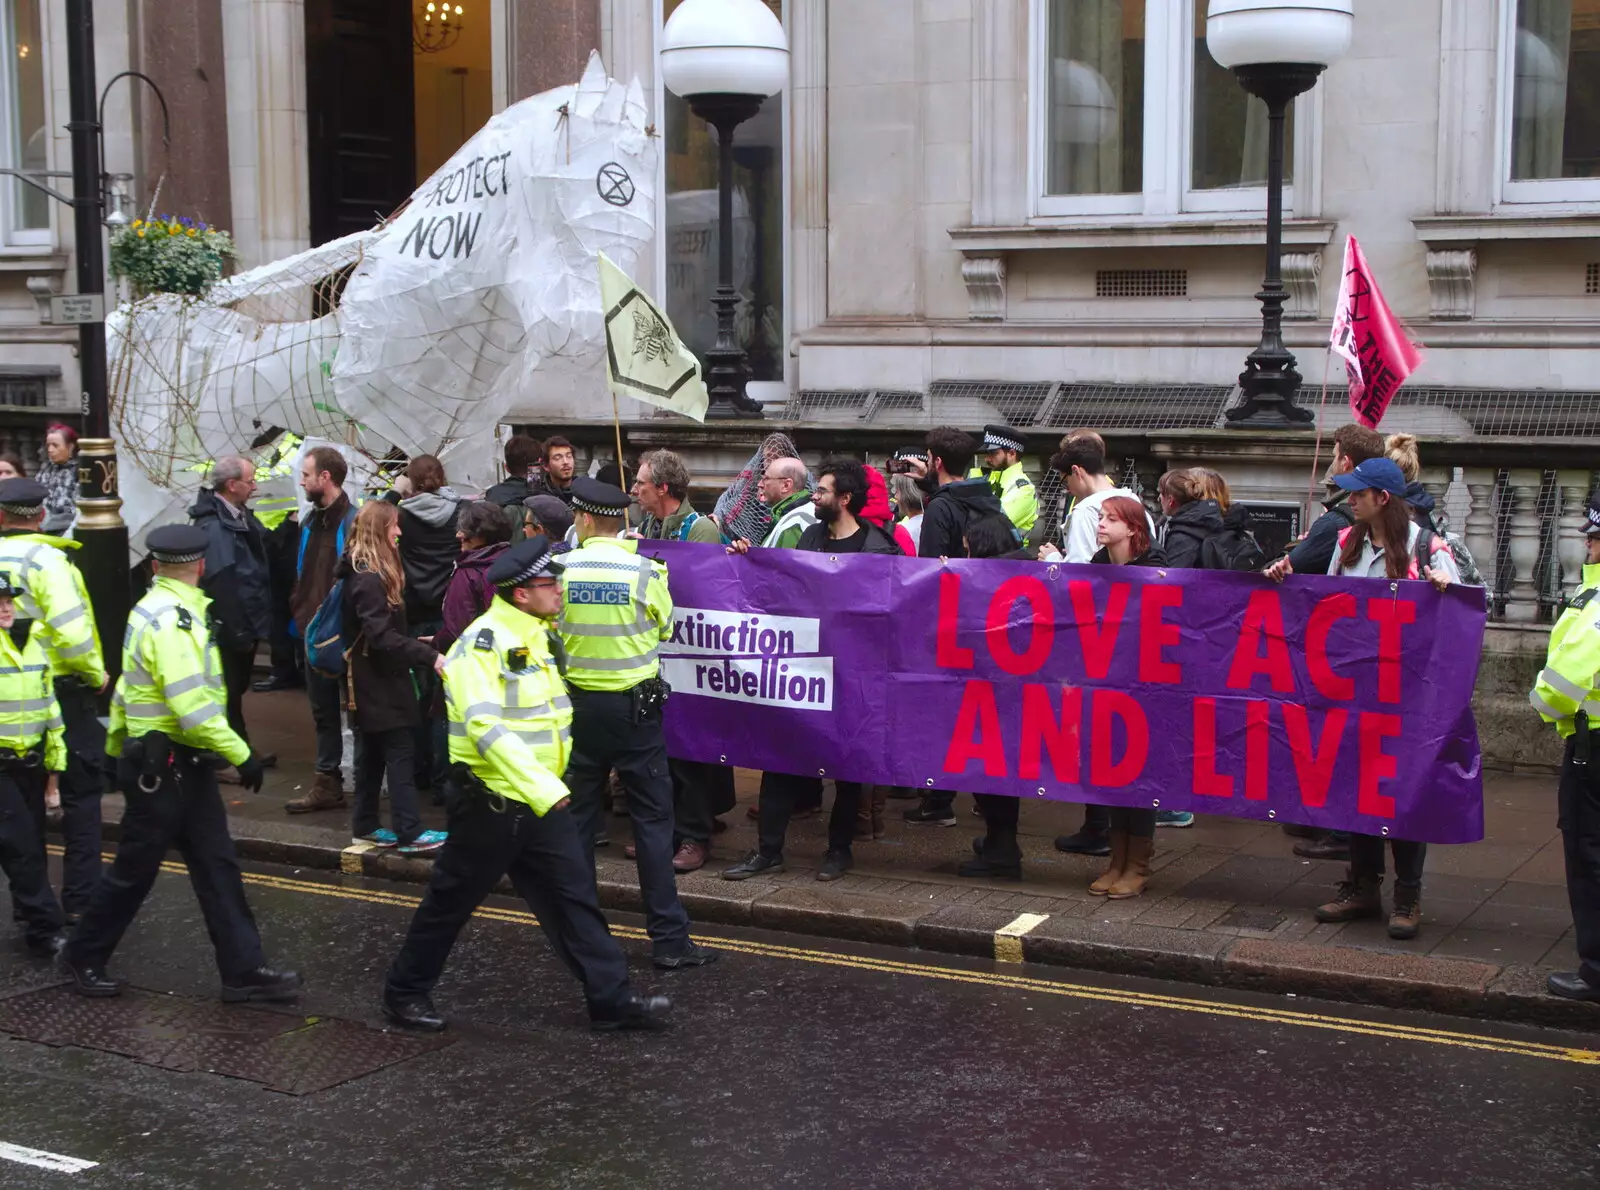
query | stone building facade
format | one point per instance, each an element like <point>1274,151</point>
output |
<point>1043,211</point>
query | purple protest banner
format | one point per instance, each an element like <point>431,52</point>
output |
<point>1342,703</point>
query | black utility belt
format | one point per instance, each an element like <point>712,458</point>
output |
<point>29,761</point>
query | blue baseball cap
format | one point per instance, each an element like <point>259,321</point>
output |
<point>1384,475</point>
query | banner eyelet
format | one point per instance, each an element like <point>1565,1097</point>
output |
<point>1155,803</point>
<point>822,772</point>
<point>722,760</point>
<point>1041,791</point>
<point>1272,813</point>
<point>1384,831</point>
<point>930,782</point>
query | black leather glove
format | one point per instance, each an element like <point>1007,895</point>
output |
<point>251,774</point>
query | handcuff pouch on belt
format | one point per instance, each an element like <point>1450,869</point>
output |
<point>1582,739</point>
<point>152,754</point>
<point>21,763</point>
<point>649,697</point>
<point>462,785</point>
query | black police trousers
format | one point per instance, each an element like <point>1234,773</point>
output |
<point>489,838</point>
<point>605,736</point>
<point>1579,802</point>
<point>185,811</point>
<point>82,786</point>
<point>22,854</point>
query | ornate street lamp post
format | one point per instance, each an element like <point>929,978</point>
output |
<point>1277,49</point>
<point>725,57</point>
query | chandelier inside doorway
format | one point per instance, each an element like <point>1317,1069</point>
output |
<point>435,26</point>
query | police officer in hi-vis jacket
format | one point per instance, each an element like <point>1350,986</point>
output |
<point>1567,694</point>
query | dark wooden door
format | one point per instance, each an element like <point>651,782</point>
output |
<point>359,113</point>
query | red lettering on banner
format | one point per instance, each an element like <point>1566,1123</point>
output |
<point>1097,636</point>
<point>1263,620</point>
<point>1207,781</point>
<point>1257,741</point>
<point>977,733</point>
<point>1376,764</point>
<point>1043,732</point>
<point>948,654</point>
<point>1313,764</point>
<point>1156,635</point>
<point>1390,615</point>
<point>1041,626</point>
<point>1324,616</point>
<point>1109,706</point>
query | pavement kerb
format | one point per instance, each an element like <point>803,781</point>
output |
<point>1351,974</point>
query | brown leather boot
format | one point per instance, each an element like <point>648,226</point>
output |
<point>326,793</point>
<point>1406,919</point>
<point>1135,872</point>
<point>1359,897</point>
<point>1119,860</point>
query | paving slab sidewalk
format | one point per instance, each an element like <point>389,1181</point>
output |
<point>1228,902</point>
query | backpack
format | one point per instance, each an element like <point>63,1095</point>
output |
<point>1422,554</point>
<point>327,650</point>
<point>1232,549</point>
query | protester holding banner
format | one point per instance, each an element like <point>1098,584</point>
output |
<point>1124,538</point>
<point>907,499</point>
<point>739,511</point>
<point>1190,518</point>
<point>956,503</point>
<point>700,791</point>
<point>841,490</point>
<point>1373,548</point>
<point>1564,695</point>
<point>1352,446</point>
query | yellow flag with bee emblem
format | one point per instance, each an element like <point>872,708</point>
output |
<point>645,358</point>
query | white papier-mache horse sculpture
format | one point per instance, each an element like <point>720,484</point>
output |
<point>444,315</point>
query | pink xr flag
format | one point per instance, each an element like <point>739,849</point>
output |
<point>1377,352</point>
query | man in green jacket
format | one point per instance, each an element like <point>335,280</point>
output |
<point>787,495</point>
<point>700,791</point>
<point>661,486</point>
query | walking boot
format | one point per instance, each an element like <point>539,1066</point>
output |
<point>1359,897</point>
<point>1117,848</point>
<point>326,793</point>
<point>262,984</point>
<point>1136,872</point>
<point>1407,916</point>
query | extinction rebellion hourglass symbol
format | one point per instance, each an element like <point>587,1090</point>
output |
<point>614,184</point>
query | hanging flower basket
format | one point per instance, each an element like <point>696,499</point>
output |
<point>170,255</point>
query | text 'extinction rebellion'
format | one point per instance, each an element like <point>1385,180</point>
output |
<point>767,660</point>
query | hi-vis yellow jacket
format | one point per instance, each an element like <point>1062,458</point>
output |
<point>1017,496</point>
<point>57,601</point>
<point>1571,678</point>
<point>172,676</point>
<point>615,612</point>
<point>510,720</point>
<point>28,709</point>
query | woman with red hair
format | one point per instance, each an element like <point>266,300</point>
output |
<point>60,476</point>
<point>1124,537</point>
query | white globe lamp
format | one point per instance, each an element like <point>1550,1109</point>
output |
<point>726,58</point>
<point>1277,49</point>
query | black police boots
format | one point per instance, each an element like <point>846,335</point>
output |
<point>262,984</point>
<point>91,981</point>
<point>636,1012</point>
<point>418,1014</point>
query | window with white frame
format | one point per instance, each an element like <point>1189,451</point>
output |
<point>1132,116</point>
<point>1551,101</point>
<point>24,134</point>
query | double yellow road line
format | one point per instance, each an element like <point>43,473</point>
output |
<point>1297,1018</point>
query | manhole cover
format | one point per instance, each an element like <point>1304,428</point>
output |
<point>292,1054</point>
<point>1264,920</point>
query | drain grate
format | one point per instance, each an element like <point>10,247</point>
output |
<point>1262,920</point>
<point>293,1054</point>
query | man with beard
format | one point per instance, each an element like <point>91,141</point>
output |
<point>841,492</point>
